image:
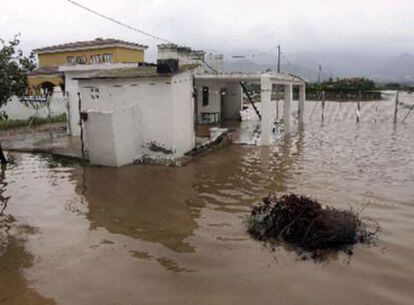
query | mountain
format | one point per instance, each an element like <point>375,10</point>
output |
<point>397,69</point>
<point>244,65</point>
<point>381,68</point>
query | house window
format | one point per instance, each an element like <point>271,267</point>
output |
<point>95,59</point>
<point>206,93</point>
<point>71,60</point>
<point>107,57</point>
<point>81,60</point>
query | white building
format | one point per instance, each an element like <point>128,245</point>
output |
<point>153,113</point>
<point>220,98</point>
<point>137,114</point>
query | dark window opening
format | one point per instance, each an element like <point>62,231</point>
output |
<point>81,60</point>
<point>48,88</point>
<point>107,57</point>
<point>206,93</point>
<point>96,59</point>
<point>71,60</point>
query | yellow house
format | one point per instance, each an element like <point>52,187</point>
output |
<point>98,51</point>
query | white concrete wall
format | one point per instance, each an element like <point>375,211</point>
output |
<point>72,88</point>
<point>150,117</point>
<point>17,110</point>
<point>183,113</point>
<point>100,138</point>
<point>113,138</point>
<point>267,111</point>
<point>127,134</point>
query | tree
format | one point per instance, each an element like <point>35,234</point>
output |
<point>13,74</point>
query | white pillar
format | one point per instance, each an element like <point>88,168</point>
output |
<point>267,111</point>
<point>301,105</point>
<point>286,106</point>
<point>71,86</point>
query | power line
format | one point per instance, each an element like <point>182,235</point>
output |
<point>118,22</point>
<point>130,28</point>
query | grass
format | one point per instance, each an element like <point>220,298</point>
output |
<point>13,124</point>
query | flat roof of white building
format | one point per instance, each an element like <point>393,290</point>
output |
<point>277,78</point>
<point>132,72</point>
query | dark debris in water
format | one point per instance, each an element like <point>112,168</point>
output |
<point>306,226</point>
<point>55,161</point>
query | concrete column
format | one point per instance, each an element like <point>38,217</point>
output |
<point>71,86</point>
<point>301,104</point>
<point>267,111</point>
<point>286,106</point>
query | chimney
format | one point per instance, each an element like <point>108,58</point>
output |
<point>167,66</point>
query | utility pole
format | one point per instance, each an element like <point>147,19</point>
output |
<point>278,58</point>
<point>319,74</point>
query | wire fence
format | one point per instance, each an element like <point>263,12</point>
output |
<point>397,106</point>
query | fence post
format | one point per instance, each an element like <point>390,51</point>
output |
<point>358,113</point>
<point>396,107</point>
<point>323,105</point>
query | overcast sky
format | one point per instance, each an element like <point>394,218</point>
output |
<point>221,25</point>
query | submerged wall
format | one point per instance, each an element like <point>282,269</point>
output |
<point>72,88</point>
<point>183,113</point>
<point>134,119</point>
<point>113,137</point>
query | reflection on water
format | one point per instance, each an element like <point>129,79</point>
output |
<point>155,235</point>
<point>5,219</point>
<point>13,285</point>
<point>152,204</point>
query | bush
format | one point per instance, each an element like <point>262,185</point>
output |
<point>307,226</point>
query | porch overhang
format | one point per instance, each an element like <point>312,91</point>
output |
<point>275,78</point>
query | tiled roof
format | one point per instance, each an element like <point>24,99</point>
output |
<point>99,42</point>
<point>46,70</point>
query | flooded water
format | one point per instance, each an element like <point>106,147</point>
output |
<point>155,235</point>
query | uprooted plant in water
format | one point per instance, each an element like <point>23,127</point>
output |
<point>304,224</point>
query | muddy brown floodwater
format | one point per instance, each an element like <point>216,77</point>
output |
<point>155,235</point>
